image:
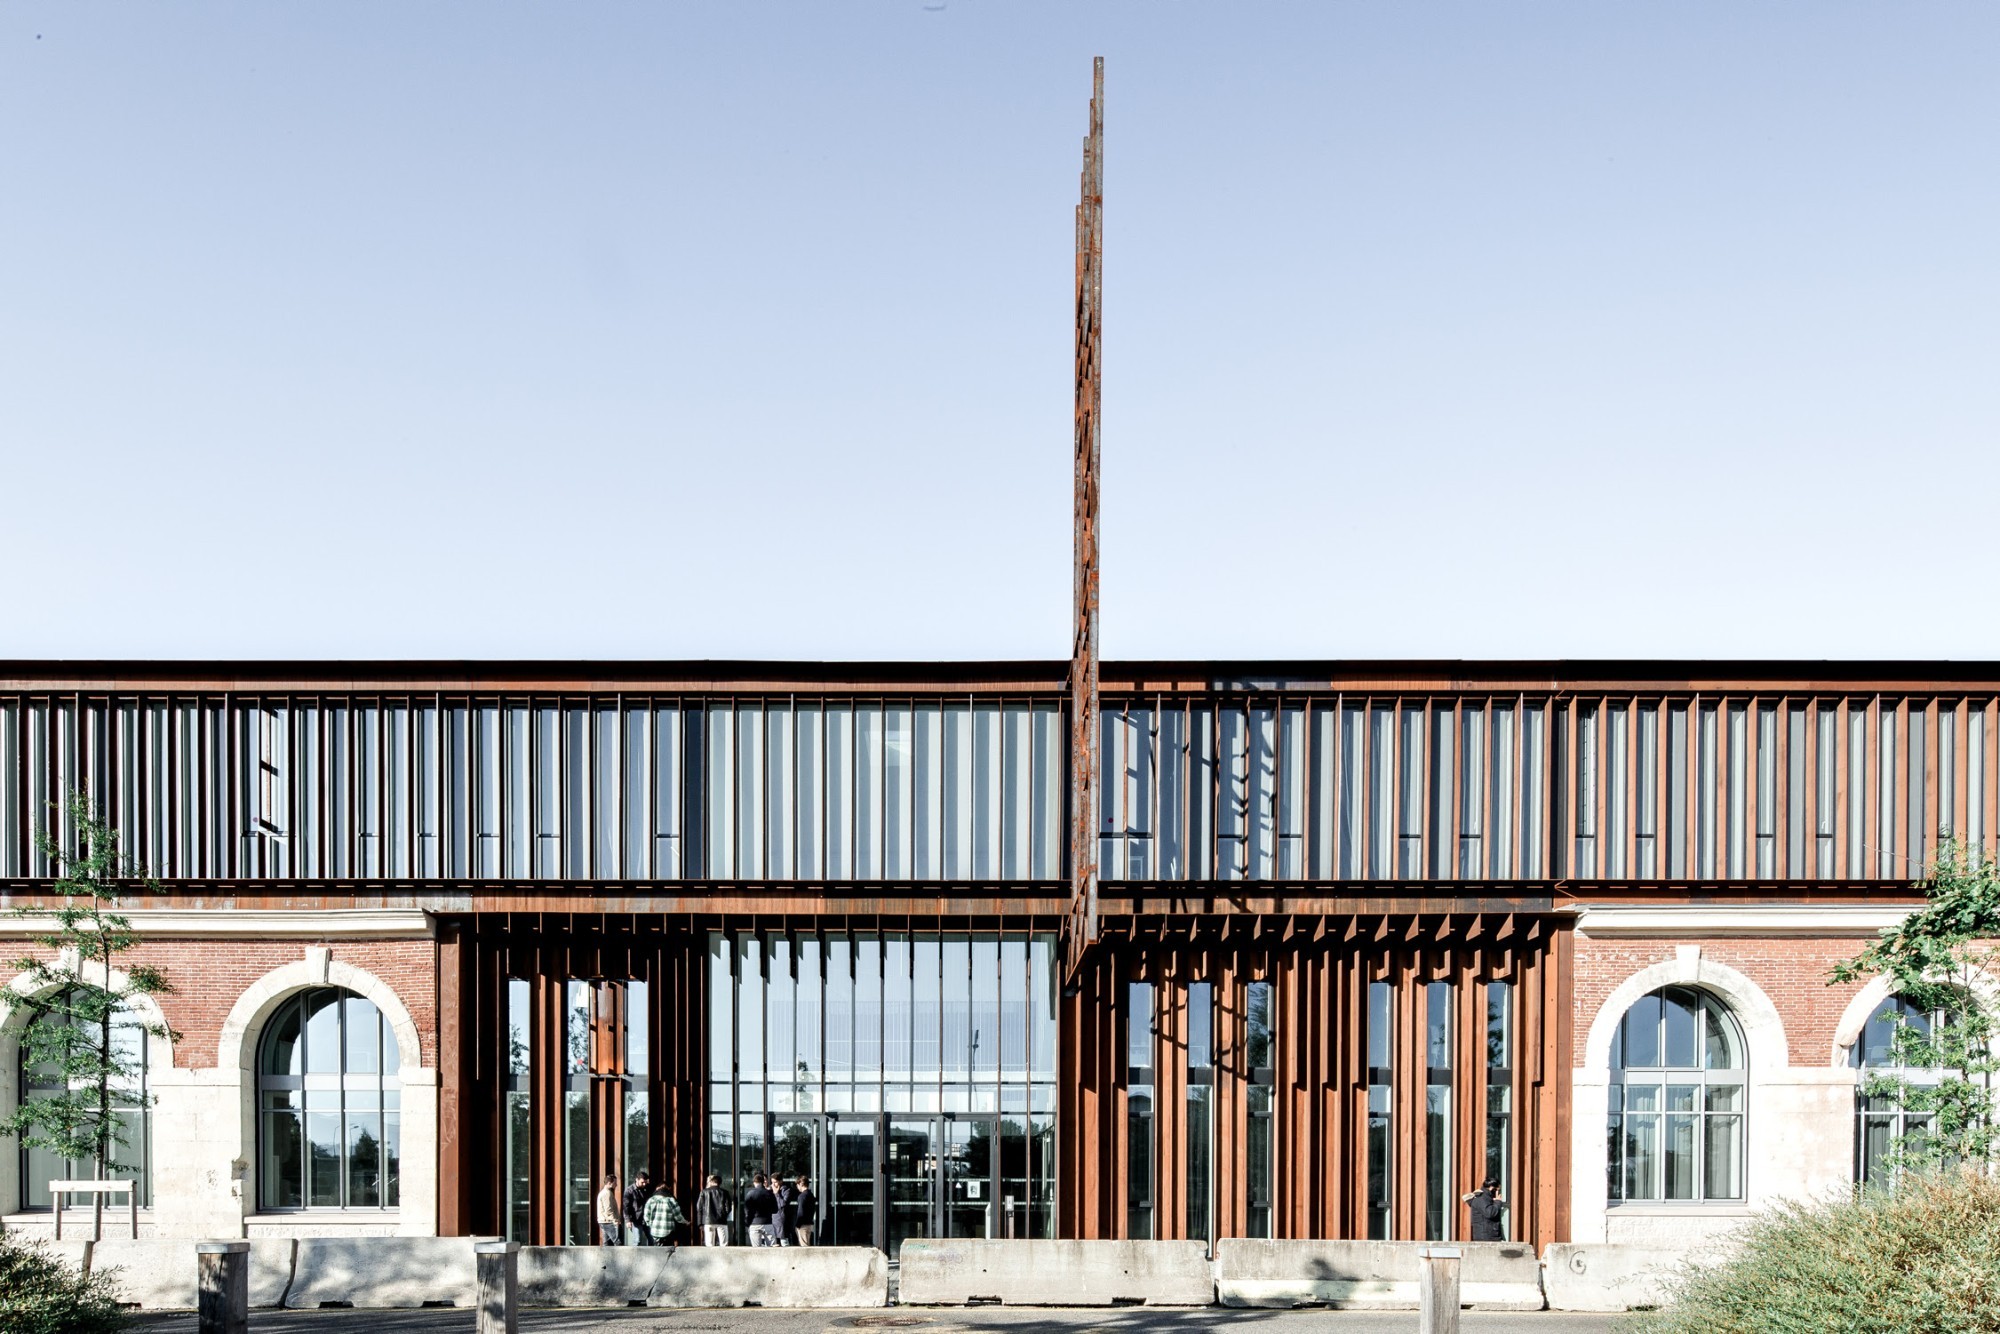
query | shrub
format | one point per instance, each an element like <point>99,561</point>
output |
<point>1923,1260</point>
<point>39,1294</point>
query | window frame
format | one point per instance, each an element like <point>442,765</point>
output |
<point>387,1079</point>
<point>1701,1077</point>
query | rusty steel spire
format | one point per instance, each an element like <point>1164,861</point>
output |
<point>1083,645</point>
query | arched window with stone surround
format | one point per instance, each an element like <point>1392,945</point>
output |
<point>1880,1123</point>
<point>329,1103</point>
<point>1677,1100</point>
<point>132,1102</point>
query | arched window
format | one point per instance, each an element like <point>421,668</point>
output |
<point>328,1105</point>
<point>1677,1100</point>
<point>1880,1124</point>
<point>130,1096</point>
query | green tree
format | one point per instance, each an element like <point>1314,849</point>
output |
<point>74,998</point>
<point>1942,959</point>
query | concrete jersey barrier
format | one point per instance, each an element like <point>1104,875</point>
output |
<point>1055,1273</point>
<point>696,1276</point>
<point>1381,1275</point>
<point>1580,1276</point>
<point>160,1274</point>
<point>382,1272</point>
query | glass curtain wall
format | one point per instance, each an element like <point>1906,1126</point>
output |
<point>928,1054</point>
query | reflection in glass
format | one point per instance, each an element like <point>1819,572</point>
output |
<point>1675,1110</point>
<point>328,1098</point>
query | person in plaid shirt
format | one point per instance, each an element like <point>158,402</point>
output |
<point>663,1215</point>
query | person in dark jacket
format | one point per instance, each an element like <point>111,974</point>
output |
<point>636,1195</point>
<point>1488,1211</point>
<point>788,1212</point>
<point>711,1212</point>
<point>805,1211</point>
<point>760,1210</point>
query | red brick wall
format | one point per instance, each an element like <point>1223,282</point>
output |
<point>1793,973</point>
<point>209,976</point>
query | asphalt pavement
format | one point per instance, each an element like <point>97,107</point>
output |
<point>916,1320</point>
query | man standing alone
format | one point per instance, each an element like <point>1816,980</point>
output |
<point>1487,1210</point>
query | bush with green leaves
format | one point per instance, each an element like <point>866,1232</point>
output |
<point>1922,1259</point>
<point>41,1294</point>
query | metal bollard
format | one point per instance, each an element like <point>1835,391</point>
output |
<point>222,1301</point>
<point>499,1285</point>
<point>1437,1289</point>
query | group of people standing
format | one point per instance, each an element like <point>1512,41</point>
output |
<point>775,1212</point>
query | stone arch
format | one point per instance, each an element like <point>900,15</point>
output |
<point>14,1018</point>
<point>242,1030</point>
<point>1865,1001</point>
<point>236,1053</point>
<point>1763,1029</point>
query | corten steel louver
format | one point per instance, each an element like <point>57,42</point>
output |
<point>1083,649</point>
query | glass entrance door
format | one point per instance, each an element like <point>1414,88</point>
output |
<point>968,1178</point>
<point>847,1192</point>
<point>911,1151</point>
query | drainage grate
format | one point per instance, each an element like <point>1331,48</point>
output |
<point>889,1321</point>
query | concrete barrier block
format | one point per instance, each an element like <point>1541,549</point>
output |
<point>160,1274</point>
<point>1055,1273</point>
<point>1378,1275</point>
<point>382,1272</point>
<point>591,1275</point>
<point>1581,1276</point>
<point>795,1276</point>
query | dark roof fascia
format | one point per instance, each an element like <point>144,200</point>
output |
<point>1543,676</point>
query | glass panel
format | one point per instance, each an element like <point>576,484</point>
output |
<point>1678,1156</point>
<point>911,1164</point>
<point>322,1026</point>
<point>1197,1164</point>
<point>1437,1161</point>
<point>364,1159</point>
<point>323,1136</point>
<point>364,1037</point>
<point>1139,1025</point>
<point>578,1174</point>
<point>1641,1033</point>
<point>282,1053</point>
<point>1257,1025</point>
<point>520,1168</point>
<point>283,1168</point>
<point>849,1203</point>
<point>1378,1161</point>
<point>1200,1019</point>
<point>1724,1153</point>
<point>1679,1007</point>
<point>1139,1163</point>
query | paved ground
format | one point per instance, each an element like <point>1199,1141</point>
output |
<point>929,1320</point>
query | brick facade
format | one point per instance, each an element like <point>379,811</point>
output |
<point>1792,972</point>
<point>209,977</point>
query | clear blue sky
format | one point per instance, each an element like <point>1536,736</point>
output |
<point>648,330</point>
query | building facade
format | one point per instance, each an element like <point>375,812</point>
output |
<point>450,941</point>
